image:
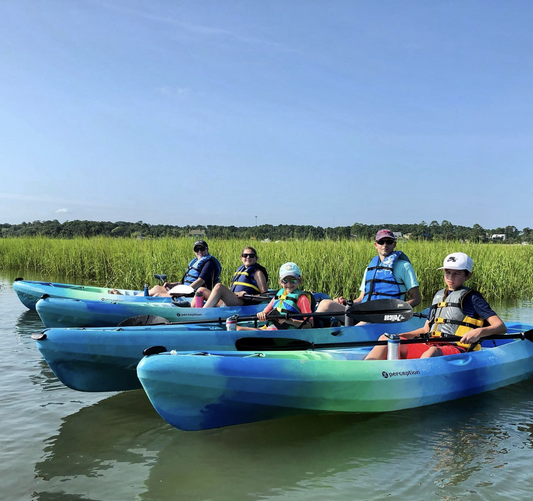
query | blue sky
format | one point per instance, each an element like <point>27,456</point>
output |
<point>298,112</point>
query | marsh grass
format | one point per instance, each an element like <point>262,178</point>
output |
<point>334,267</point>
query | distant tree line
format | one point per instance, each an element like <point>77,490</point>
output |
<point>421,231</point>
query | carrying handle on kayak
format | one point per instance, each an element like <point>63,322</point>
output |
<point>380,311</point>
<point>288,344</point>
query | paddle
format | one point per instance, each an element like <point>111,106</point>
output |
<point>285,344</point>
<point>258,298</point>
<point>181,289</point>
<point>380,311</point>
<point>159,276</point>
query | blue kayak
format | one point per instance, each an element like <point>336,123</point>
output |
<point>56,312</point>
<point>29,292</point>
<point>196,391</point>
<point>105,359</point>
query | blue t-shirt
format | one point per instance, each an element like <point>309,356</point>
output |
<point>209,274</point>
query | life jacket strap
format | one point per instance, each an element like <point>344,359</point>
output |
<point>439,320</point>
<point>246,284</point>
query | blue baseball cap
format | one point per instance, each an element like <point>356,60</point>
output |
<point>289,270</point>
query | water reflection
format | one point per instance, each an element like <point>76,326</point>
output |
<point>311,453</point>
<point>59,496</point>
<point>45,377</point>
<point>94,442</point>
<point>120,441</point>
<point>28,322</point>
<point>479,433</point>
<point>97,435</point>
<point>515,311</point>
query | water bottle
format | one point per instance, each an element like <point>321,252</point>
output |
<point>231,323</point>
<point>198,301</point>
<point>393,346</point>
<point>146,293</point>
<point>348,320</point>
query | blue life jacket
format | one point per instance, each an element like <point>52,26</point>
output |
<point>243,279</point>
<point>380,282</point>
<point>195,269</point>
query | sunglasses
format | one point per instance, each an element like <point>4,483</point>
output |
<point>385,241</point>
<point>199,249</point>
<point>247,255</point>
<point>289,280</point>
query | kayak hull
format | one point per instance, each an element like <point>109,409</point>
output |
<point>30,291</point>
<point>195,392</point>
<point>105,359</point>
<point>56,312</point>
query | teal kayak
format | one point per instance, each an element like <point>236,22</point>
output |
<point>196,391</point>
<point>29,292</point>
<point>105,359</point>
<point>109,312</point>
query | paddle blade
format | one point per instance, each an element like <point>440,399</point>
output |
<point>270,344</point>
<point>154,350</point>
<point>257,298</point>
<point>181,289</point>
<point>143,320</point>
<point>529,335</point>
<point>380,311</point>
<point>160,276</point>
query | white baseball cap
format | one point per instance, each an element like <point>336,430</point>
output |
<point>457,261</point>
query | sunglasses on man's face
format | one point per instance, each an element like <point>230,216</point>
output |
<point>199,249</point>
<point>289,280</point>
<point>247,255</point>
<point>385,241</point>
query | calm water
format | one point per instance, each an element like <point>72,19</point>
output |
<point>62,445</point>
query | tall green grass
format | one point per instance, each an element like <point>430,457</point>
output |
<point>334,267</point>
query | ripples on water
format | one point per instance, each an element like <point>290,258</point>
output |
<point>59,444</point>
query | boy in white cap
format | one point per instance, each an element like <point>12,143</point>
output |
<point>456,311</point>
<point>289,299</point>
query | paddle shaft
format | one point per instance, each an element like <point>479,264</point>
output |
<point>299,344</point>
<point>378,311</point>
<point>383,316</point>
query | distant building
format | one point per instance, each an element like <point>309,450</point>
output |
<point>498,236</point>
<point>397,235</point>
<point>197,233</point>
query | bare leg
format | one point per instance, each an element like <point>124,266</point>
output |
<point>378,352</point>
<point>433,351</point>
<point>221,292</point>
<point>159,291</point>
<point>328,306</point>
